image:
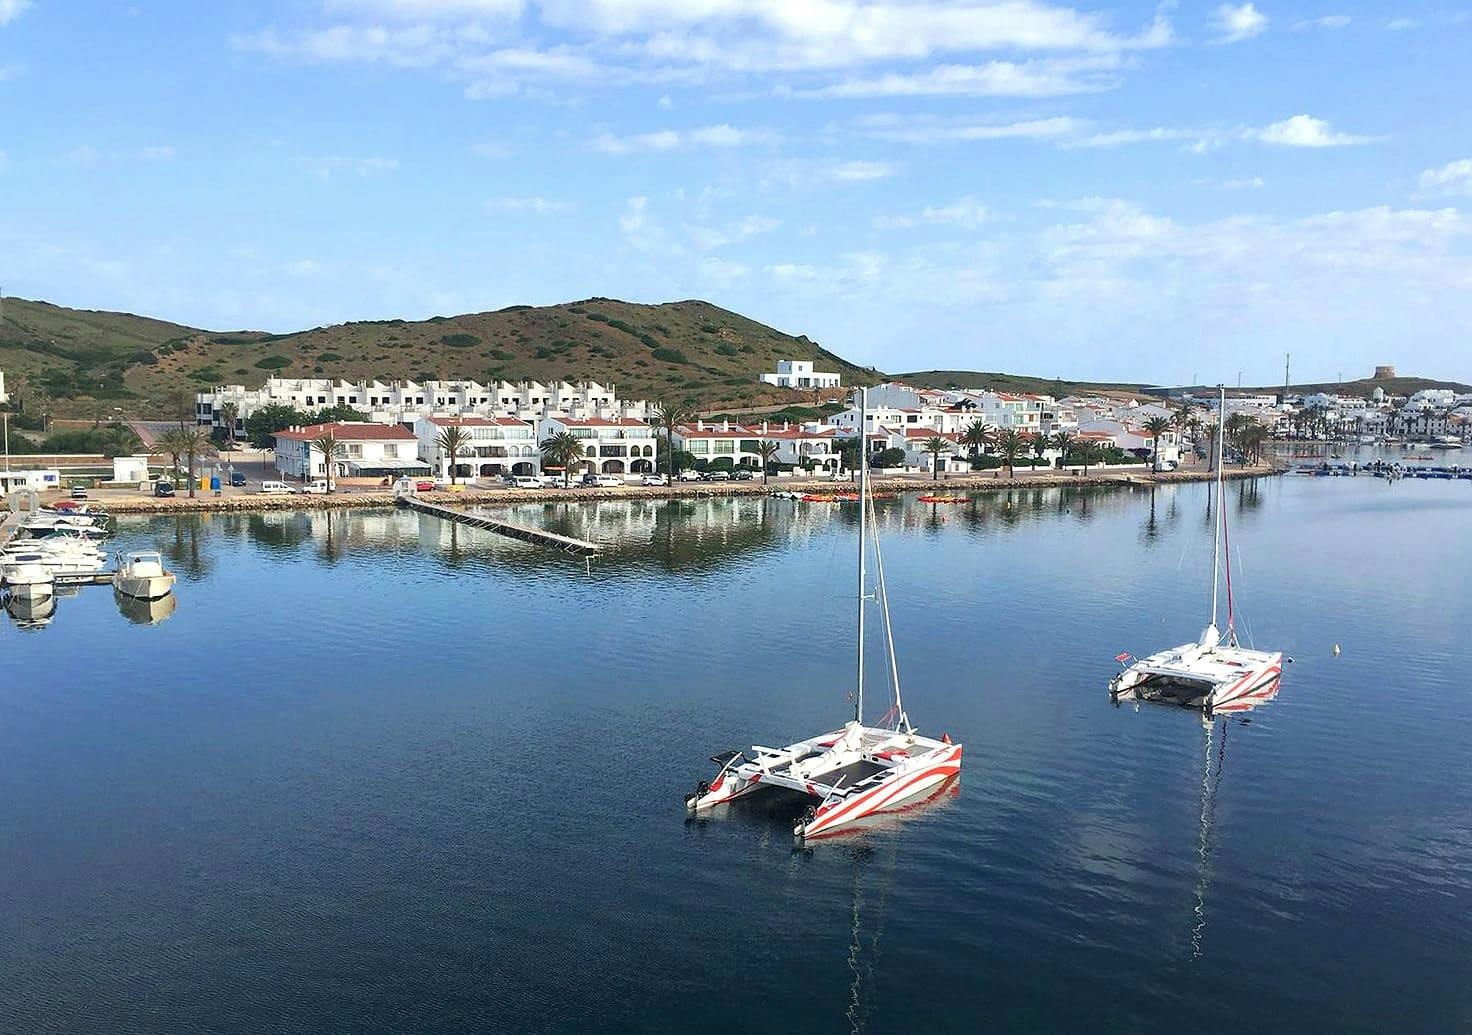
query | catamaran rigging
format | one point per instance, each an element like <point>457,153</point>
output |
<point>856,770</point>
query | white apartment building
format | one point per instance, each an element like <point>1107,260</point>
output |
<point>721,439</point>
<point>363,451</point>
<point>624,445</point>
<point>799,373</point>
<point>913,440</point>
<point>403,402</point>
<point>493,446</point>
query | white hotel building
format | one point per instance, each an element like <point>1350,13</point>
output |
<point>624,445</point>
<point>494,446</point>
<point>799,373</point>
<point>363,451</point>
<point>404,402</point>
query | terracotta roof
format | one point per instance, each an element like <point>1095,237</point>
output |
<point>350,432</point>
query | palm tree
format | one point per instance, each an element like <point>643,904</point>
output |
<point>167,443</point>
<point>670,416</point>
<point>229,413</point>
<point>564,450</point>
<point>1012,445</point>
<point>935,445</point>
<point>767,449</point>
<point>1155,427</point>
<point>977,436</point>
<point>1039,444</point>
<point>1090,452</point>
<point>452,442</point>
<point>326,444</point>
<point>1063,442</point>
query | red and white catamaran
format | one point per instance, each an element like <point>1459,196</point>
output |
<point>1215,671</point>
<point>856,770</point>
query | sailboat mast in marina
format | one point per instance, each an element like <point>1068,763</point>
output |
<point>856,770</point>
<point>1214,671</point>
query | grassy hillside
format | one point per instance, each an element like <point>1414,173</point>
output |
<point>1016,383</point>
<point>86,361</point>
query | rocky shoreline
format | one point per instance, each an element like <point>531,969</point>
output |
<point>975,482</point>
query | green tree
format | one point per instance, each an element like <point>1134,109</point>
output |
<point>452,442</point>
<point>1012,445</point>
<point>169,443</point>
<point>263,423</point>
<point>977,436</point>
<point>1064,443</point>
<point>1155,427</point>
<point>564,450</point>
<point>669,416</point>
<point>325,443</point>
<point>1089,452</point>
<point>767,450</point>
<point>935,445</point>
<point>229,414</point>
<point>1040,445</point>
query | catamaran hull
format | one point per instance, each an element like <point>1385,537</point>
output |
<point>1139,682</point>
<point>904,786</point>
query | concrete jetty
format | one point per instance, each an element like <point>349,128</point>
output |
<point>525,533</point>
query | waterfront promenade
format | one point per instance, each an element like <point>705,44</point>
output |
<point>976,481</point>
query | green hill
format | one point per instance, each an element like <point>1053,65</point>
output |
<point>1016,383</point>
<point>84,362</point>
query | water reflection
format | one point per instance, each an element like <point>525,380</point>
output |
<point>146,612</point>
<point>30,614</point>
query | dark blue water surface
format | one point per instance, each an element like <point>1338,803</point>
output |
<point>379,773</point>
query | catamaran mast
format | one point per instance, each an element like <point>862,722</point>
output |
<point>863,528</point>
<point>1216,538</point>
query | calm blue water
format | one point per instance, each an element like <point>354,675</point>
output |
<point>380,774</point>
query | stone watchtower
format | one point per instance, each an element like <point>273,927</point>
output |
<point>1384,373</point>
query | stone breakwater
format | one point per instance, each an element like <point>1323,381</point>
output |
<point>976,482</point>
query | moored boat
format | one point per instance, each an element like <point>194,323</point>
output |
<point>30,581</point>
<point>857,770</point>
<point>142,576</point>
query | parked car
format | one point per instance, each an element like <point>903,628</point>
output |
<point>688,476</point>
<point>316,488</point>
<point>237,479</point>
<point>743,475</point>
<point>163,490</point>
<point>79,492</point>
<point>524,481</point>
<point>424,485</point>
<point>277,488</point>
<point>655,479</point>
<point>716,476</point>
<point>608,481</point>
<point>1168,465</point>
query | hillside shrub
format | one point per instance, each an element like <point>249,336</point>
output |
<point>329,357</point>
<point>669,355</point>
<point>621,325</point>
<point>272,363</point>
<point>460,340</point>
<point>598,317</point>
<point>725,350</point>
<point>647,340</point>
<point>709,328</point>
<point>501,354</point>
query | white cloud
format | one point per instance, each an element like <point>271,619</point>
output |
<point>861,170</point>
<point>1454,178</point>
<point>535,204</point>
<point>1245,183</point>
<point>325,168</point>
<point>668,139</point>
<point>708,238</point>
<point>1328,21</point>
<point>1236,22</point>
<point>157,152</point>
<point>965,212</point>
<point>1198,139</point>
<point>620,42</point>
<point>1051,78</point>
<point>930,130</point>
<point>1306,131</point>
<point>10,10</point>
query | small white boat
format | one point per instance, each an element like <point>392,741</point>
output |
<point>1214,671</point>
<point>58,562</point>
<point>857,770</point>
<point>37,528</point>
<point>142,576</point>
<point>30,581</point>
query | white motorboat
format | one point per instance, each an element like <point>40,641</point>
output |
<point>1215,670</point>
<point>857,770</point>
<point>40,528</point>
<point>142,576</point>
<point>58,562</point>
<point>30,581</point>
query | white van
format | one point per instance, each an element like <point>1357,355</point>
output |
<point>526,481</point>
<point>277,488</point>
<point>317,488</point>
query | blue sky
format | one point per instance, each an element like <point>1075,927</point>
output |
<point>1164,192</point>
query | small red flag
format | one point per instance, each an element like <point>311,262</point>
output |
<point>1122,658</point>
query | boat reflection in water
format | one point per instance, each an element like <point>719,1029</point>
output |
<point>30,614</point>
<point>146,612</point>
<point>1215,724</point>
